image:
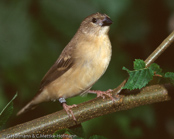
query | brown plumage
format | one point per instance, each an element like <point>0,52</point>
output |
<point>82,62</point>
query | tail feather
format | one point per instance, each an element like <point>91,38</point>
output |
<point>39,98</point>
<point>28,107</point>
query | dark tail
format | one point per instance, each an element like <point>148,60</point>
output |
<point>28,107</point>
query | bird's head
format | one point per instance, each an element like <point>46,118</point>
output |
<point>97,24</point>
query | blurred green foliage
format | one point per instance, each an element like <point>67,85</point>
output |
<point>34,32</point>
<point>6,112</point>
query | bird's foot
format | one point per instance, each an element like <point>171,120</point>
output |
<point>103,94</point>
<point>68,110</point>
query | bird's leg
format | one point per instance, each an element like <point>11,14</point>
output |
<point>103,93</point>
<point>67,108</point>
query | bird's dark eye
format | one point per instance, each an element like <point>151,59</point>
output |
<point>94,20</point>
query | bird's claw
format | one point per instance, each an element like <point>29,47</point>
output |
<point>103,94</point>
<point>69,111</point>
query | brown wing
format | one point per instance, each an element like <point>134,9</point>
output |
<point>63,64</point>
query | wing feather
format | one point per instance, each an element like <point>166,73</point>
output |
<point>63,64</point>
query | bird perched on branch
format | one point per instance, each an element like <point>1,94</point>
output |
<point>82,62</point>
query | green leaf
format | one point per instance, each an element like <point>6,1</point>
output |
<point>139,64</point>
<point>74,132</point>
<point>97,137</point>
<point>77,138</point>
<point>77,130</point>
<point>170,75</point>
<point>62,131</point>
<point>6,112</point>
<point>141,75</point>
<point>61,134</point>
<point>124,68</point>
<point>156,68</point>
<point>138,79</point>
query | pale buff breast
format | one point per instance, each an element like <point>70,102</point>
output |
<point>88,68</point>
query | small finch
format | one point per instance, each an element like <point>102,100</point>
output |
<point>82,62</point>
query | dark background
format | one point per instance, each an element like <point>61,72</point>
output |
<point>34,32</point>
